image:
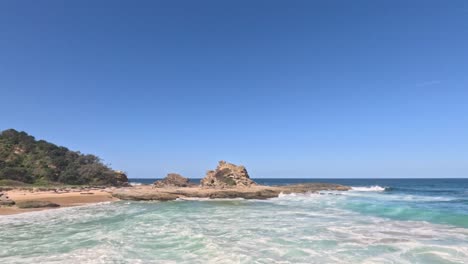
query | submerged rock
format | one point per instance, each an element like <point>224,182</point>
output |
<point>5,200</point>
<point>227,175</point>
<point>173,180</point>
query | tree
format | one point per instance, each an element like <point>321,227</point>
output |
<point>22,158</point>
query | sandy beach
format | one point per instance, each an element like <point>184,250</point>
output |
<point>64,199</point>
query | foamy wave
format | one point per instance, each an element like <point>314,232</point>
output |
<point>292,229</point>
<point>374,188</point>
<point>296,195</point>
<point>282,195</point>
<point>135,183</point>
<point>208,199</point>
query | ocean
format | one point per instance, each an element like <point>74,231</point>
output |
<point>378,221</point>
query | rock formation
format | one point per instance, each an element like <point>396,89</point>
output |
<point>173,180</point>
<point>120,179</point>
<point>145,193</point>
<point>36,204</point>
<point>227,175</point>
<point>226,181</point>
<point>5,200</point>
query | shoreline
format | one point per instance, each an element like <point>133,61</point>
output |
<point>64,199</point>
<point>261,192</point>
<point>85,196</point>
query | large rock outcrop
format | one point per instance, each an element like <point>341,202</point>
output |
<point>227,175</point>
<point>172,180</point>
<point>120,179</point>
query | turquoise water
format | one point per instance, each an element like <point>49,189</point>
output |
<point>377,222</point>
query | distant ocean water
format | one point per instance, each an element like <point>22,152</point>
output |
<point>379,221</point>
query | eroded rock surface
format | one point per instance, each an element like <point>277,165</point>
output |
<point>173,180</point>
<point>120,179</point>
<point>226,181</point>
<point>36,204</point>
<point>227,175</point>
<point>5,200</point>
<point>148,195</point>
<point>252,192</point>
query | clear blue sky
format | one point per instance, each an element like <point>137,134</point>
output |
<point>287,88</point>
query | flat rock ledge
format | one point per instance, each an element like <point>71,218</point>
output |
<point>36,204</point>
<point>147,193</point>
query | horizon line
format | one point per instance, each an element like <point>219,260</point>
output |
<point>340,178</point>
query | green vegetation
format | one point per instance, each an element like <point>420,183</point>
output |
<point>24,159</point>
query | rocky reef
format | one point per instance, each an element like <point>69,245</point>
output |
<point>227,175</point>
<point>173,180</point>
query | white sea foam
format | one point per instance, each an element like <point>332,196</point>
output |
<point>374,188</point>
<point>293,228</point>
<point>208,199</point>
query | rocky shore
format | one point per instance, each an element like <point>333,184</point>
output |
<point>21,200</point>
<point>226,181</point>
<point>148,193</point>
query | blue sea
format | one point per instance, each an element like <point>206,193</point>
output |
<point>378,221</point>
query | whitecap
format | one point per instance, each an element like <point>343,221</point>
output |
<point>208,199</point>
<point>375,188</point>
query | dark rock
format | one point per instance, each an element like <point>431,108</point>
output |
<point>227,175</point>
<point>173,180</point>
<point>36,204</point>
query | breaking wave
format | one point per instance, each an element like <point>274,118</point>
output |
<point>369,224</point>
<point>374,188</point>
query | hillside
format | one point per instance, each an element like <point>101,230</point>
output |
<point>25,159</point>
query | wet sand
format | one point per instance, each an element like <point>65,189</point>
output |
<point>64,199</point>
